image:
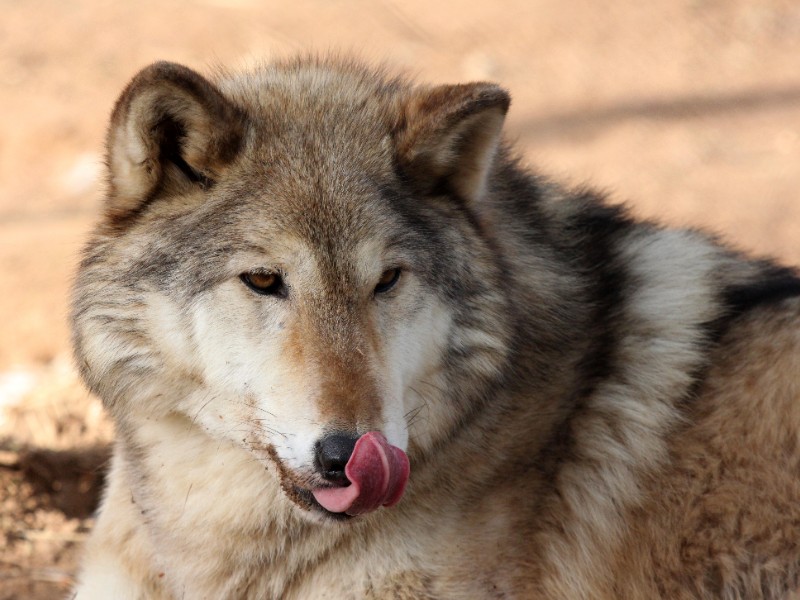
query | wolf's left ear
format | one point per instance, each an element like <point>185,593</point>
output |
<point>172,131</point>
<point>448,137</point>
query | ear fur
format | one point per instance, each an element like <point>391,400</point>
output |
<point>171,130</point>
<point>449,136</point>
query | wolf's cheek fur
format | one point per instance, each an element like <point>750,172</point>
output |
<point>258,398</point>
<point>261,395</point>
<point>413,374</point>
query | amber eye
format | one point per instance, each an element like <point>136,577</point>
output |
<point>387,281</point>
<point>267,284</point>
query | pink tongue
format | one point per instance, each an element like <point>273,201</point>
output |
<point>377,472</point>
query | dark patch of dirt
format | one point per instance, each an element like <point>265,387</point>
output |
<point>47,498</point>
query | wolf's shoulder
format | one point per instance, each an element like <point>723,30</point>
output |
<point>722,519</point>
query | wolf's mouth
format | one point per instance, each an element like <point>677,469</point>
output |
<point>376,472</point>
<point>306,498</point>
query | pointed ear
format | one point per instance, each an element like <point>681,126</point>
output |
<point>449,136</point>
<point>171,131</point>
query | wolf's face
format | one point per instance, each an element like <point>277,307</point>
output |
<point>290,261</point>
<point>317,323</point>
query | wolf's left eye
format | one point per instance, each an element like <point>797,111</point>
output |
<point>387,280</point>
<point>267,284</point>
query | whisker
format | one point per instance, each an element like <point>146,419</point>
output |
<point>199,410</point>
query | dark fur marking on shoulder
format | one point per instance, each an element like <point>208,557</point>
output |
<point>775,284</point>
<point>778,283</point>
<point>594,230</point>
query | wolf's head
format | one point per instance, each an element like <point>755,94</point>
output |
<point>294,257</point>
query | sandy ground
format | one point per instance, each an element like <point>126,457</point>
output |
<point>687,109</point>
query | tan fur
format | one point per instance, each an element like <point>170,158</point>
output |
<point>722,519</point>
<point>592,407</point>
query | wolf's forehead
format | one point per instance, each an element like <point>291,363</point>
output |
<point>336,227</point>
<point>318,164</point>
<point>319,145</point>
<point>339,92</point>
<point>324,195</point>
<point>318,116</point>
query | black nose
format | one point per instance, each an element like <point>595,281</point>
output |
<point>332,453</point>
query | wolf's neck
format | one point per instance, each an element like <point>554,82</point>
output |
<point>187,485</point>
<point>655,351</point>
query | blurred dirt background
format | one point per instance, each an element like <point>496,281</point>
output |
<point>687,109</point>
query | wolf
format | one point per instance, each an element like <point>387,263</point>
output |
<point>354,348</point>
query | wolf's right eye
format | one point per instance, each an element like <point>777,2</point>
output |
<point>266,284</point>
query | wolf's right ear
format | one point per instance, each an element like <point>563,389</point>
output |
<point>171,131</point>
